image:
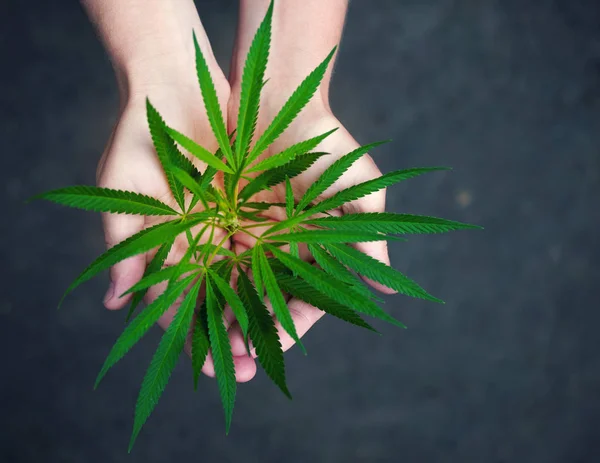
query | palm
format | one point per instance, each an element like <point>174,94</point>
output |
<point>310,124</point>
<point>130,163</point>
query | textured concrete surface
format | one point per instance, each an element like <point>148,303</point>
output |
<point>507,92</point>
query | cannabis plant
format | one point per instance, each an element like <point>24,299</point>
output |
<point>272,267</point>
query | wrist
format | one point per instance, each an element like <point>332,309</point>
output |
<point>149,43</point>
<point>303,33</point>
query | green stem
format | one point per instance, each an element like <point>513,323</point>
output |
<point>261,224</point>
<point>257,238</point>
<point>217,247</point>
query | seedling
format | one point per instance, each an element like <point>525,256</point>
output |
<point>267,269</point>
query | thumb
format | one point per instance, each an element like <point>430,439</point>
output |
<point>123,275</point>
<point>375,202</point>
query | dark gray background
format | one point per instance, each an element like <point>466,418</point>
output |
<point>507,92</point>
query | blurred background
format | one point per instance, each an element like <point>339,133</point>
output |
<point>506,92</point>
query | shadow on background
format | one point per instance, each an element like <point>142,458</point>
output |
<point>508,93</point>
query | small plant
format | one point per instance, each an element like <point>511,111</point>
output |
<point>333,286</point>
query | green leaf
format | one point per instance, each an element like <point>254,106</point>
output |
<point>289,153</point>
<point>207,177</point>
<point>187,181</point>
<point>164,362</point>
<point>277,175</point>
<point>289,211</point>
<point>204,181</point>
<point>336,290</point>
<point>289,198</point>
<point>350,194</point>
<point>154,266</point>
<point>233,300</point>
<point>199,151</point>
<point>251,86</point>
<point>263,334</point>
<point>256,271</point>
<point>333,173</point>
<point>166,150</point>
<point>262,206</point>
<point>211,102</point>
<point>97,199</point>
<point>388,222</point>
<point>137,244</point>
<point>294,249</point>
<point>142,323</point>
<point>280,308</point>
<point>208,248</point>
<point>370,186</point>
<point>305,292</point>
<point>337,270</point>
<point>330,236</point>
<point>291,108</point>
<point>200,343</point>
<point>221,353</point>
<point>378,271</point>
<point>253,216</point>
<point>154,278</point>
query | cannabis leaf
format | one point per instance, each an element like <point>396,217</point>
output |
<point>166,150</point>
<point>140,242</point>
<point>237,306</point>
<point>142,323</point>
<point>154,266</point>
<point>279,174</point>
<point>227,190</point>
<point>291,108</point>
<point>336,290</point>
<point>333,173</point>
<point>334,268</point>
<point>263,333</point>
<point>200,152</point>
<point>331,236</point>
<point>387,222</point>
<point>200,343</point>
<point>275,296</point>
<point>211,102</point>
<point>305,292</point>
<point>97,199</point>
<point>221,352</point>
<point>378,271</point>
<point>161,275</point>
<point>252,82</point>
<point>289,154</point>
<point>163,362</point>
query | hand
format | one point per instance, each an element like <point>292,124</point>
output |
<point>312,121</point>
<point>130,163</point>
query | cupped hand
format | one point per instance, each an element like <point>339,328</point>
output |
<point>314,120</point>
<point>130,163</point>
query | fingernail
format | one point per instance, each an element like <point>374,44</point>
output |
<point>110,292</point>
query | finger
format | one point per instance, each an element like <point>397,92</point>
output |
<point>375,202</point>
<point>125,274</point>
<point>245,367</point>
<point>304,317</point>
<point>236,339</point>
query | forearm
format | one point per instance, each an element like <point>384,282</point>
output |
<point>304,32</point>
<point>149,41</point>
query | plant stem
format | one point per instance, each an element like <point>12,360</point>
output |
<point>217,247</point>
<point>257,238</point>
<point>261,224</point>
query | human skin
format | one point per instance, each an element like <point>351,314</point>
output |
<point>303,34</point>
<point>150,46</point>
<point>149,43</point>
